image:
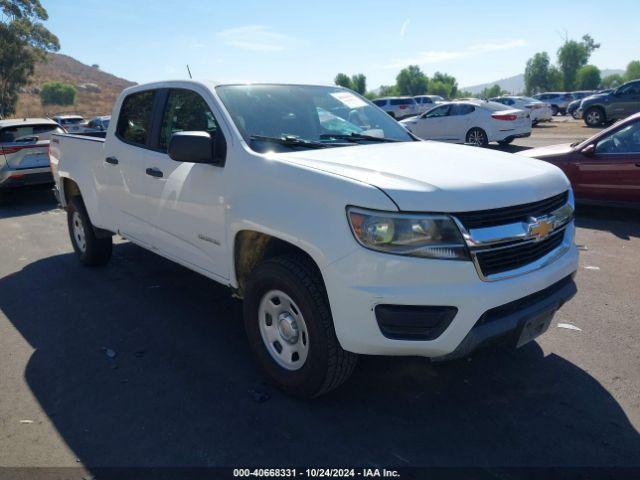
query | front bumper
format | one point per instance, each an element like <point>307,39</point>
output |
<point>359,282</point>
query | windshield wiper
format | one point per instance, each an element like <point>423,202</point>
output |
<point>290,141</point>
<point>354,137</point>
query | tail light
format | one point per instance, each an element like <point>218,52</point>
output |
<point>510,117</point>
<point>9,150</point>
<point>402,107</point>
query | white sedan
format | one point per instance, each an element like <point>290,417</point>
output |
<point>473,122</point>
<point>539,111</point>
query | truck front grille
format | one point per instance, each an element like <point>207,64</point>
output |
<point>518,213</point>
<point>493,261</point>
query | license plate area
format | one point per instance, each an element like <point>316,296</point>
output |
<point>534,327</point>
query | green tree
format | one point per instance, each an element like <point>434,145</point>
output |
<point>493,91</point>
<point>56,93</point>
<point>359,83</point>
<point>388,90</point>
<point>633,71</point>
<point>588,78</point>
<point>23,41</point>
<point>444,85</point>
<point>555,78</point>
<point>536,74</point>
<point>343,80</point>
<point>571,56</point>
<point>412,81</point>
<point>612,81</point>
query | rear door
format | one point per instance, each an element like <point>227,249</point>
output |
<point>612,172</point>
<point>459,122</point>
<point>27,146</point>
<point>628,101</point>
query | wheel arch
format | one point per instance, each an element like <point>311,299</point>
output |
<point>250,247</point>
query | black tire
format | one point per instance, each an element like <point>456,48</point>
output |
<point>594,117</point>
<point>477,137</point>
<point>392,115</point>
<point>563,112</point>
<point>505,142</point>
<point>554,110</point>
<point>327,365</point>
<point>575,115</point>
<point>94,250</point>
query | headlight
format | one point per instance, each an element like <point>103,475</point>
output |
<point>428,236</point>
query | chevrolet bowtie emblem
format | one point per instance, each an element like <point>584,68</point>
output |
<point>539,228</point>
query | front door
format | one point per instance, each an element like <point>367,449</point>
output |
<point>612,171</point>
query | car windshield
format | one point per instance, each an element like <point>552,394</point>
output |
<point>286,117</point>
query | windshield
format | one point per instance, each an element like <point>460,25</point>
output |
<point>312,114</point>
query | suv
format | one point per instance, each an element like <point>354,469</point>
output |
<point>398,107</point>
<point>24,158</point>
<point>558,101</point>
<point>426,102</point>
<point>608,107</point>
<point>71,123</point>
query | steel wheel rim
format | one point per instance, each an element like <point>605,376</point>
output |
<point>283,330</point>
<point>78,232</point>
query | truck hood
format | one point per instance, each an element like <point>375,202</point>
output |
<point>439,177</point>
<point>548,151</point>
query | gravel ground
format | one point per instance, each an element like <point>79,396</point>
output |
<point>144,363</point>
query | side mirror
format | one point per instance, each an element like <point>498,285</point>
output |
<point>589,150</point>
<point>193,147</point>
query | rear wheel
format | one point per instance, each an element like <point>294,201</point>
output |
<point>477,137</point>
<point>554,110</point>
<point>290,330</point>
<point>594,117</point>
<point>91,249</point>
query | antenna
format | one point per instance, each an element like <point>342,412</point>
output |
<point>189,70</point>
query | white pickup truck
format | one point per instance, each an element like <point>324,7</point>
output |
<point>342,232</point>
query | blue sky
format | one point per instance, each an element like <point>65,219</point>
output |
<point>310,41</point>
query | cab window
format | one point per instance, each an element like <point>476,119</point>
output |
<point>134,121</point>
<point>441,111</point>
<point>185,111</point>
<point>625,140</point>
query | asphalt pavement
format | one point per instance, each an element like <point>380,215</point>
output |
<point>145,363</point>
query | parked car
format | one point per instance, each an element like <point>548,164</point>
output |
<point>326,234</point>
<point>98,124</point>
<point>71,123</point>
<point>476,123</point>
<point>425,102</point>
<point>398,107</point>
<point>604,168</point>
<point>573,108</point>
<point>609,107</point>
<point>558,101</point>
<point>538,110</point>
<point>24,157</point>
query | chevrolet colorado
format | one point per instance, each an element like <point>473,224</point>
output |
<point>342,232</point>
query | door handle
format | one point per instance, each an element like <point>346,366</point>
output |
<point>154,172</point>
<point>111,160</point>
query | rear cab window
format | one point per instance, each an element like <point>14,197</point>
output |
<point>134,122</point>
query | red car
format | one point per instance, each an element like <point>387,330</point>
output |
<point>603,169</point>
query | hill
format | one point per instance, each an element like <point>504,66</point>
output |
<point>515,84</point>
<point>97,90</point>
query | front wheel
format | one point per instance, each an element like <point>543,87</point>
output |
<point>91,249</point>
<point>290,329</point>
<point>477,137</point>
<point>594,117</point>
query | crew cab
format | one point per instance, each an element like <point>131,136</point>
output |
<point>342,232</point>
